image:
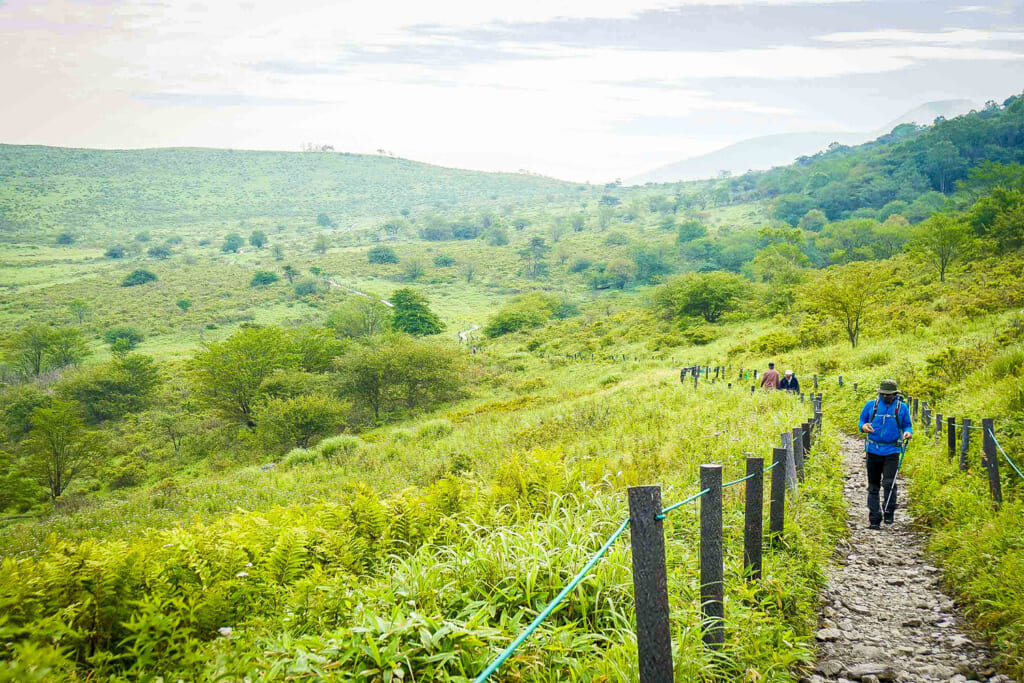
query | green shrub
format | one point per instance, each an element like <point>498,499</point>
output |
<point>774,342</point>
<point>382,255</point>
<point>699,335</point>
<point>137,277</point>
<point>297,457</point>
<point>263,278</point>
<point>338,447</point>
<point>128,336</point>
<point>1009,364</point>
<point>444,261</point>
<point>435,429</point>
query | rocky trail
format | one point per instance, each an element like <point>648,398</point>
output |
<point>884,616</point>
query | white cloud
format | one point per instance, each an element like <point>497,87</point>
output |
<point>961,36</point>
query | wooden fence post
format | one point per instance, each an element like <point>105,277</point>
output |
<point>915,408</point>
<point>991,462</point>
<point>938,425</point>
<point>753,388</point>
<point>965,443</point>
<point>712,590</point>
<point>777,511</point>
<point>730,385</point>
<point>855,387</point>
<point>798,452</point>
<point>840,380</point>
<point>806,427</point>
<point>695,381</point>
<point>752,526</point>
<point>650,585</point>
<point>787,443</point>
<point>815,382</point>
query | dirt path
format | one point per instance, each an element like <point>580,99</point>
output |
<point>884,616</point>
<point>348,289</point>
<point>464,334</point>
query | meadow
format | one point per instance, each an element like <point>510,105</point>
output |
<point>283,480</point>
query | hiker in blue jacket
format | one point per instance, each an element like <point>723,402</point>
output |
<point>886,421</point>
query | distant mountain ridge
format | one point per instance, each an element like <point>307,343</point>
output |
<point>767,151</point>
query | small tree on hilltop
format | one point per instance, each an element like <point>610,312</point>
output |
<point>258,238</point>
<point>381,255</point>
<point>138,277</point>
<point>412,315</point>
<point>289,272</point>
<point>232,243</point>
<point>262,278</point>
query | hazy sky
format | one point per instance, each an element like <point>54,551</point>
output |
<point>579,89</point>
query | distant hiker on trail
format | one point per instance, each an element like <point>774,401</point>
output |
<point>789,382</point>
<point>886,421</point>
<point>770,379</point>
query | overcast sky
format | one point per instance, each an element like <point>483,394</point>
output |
<point>577,89</point>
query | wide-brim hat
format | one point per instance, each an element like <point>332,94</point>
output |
<point>888,386</point>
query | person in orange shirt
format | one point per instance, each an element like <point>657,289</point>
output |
<point>770,379</point>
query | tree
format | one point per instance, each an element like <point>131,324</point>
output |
<point>381,255</point>
<point>413,270</point>
<point>394,371</point>
<point>412,315</point>
<point>314,348</point>
<point>468,272</point>
<point>359,316</point>
<point>943,240</point>
<point>496,237</point>
<point>650,264</point>
<point>115,251</point>
<point>232,243</point>
<point>278,251</point>
<point>228,374</point>
<point>262,278</point>
<point>533,254</point>
<point>620,272</point>
<point>302,420</point>
<point>138,277</point>
<point>38,348</point>
<point>114,389</point>
<point>258,238</point>
<point>129,336</point>
<point>813,221</point>
<point>290,273</point>
<point>184,305</point>
<point>159,251</point>
<point>79,309</point>
<point>320,244</point>
<point>846,294</point>
<point>59,448</point>
<point>709,295</point>
<point>66,238</point>
<point>689,231</point>
<point>444,261</point>
<point>530,310</point>
<point>792,207</point>
<point>324,221</point>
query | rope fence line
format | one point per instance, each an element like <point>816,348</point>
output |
<point>1008,459</point>
<point>646,514</point>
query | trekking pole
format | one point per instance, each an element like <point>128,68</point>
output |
<point>899,464</point>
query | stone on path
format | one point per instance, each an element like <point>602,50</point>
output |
<point>883,615</point>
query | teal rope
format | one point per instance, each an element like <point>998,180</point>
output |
<point>737,481</point>
<point>550,607</point>
<point>770,467</point>
<point>681,503</point>
<point>1012,463</point>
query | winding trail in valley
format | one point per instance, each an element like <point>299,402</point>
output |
<point>884,616</point>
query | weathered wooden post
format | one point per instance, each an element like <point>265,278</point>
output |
<point>777,509</point>
<point>806,428</point>
<point>938,425</point>
<point>815,382</point>
<point>730,385</point>
<point>753,388</point>
<point>712,589</point>
<point>840,381</point>
<point>915,408</point>
<point>682,375</point>
<point>752,525</point>
<point>695,378</point>
<point>991,462</point>
<point>951,436</point>
<point>787,443</point>
<point>650,585</point>
<point>798,453</point>
<point>965,443</point>
<point>801,398</point>
<point>755,373</point>
<point>855,387</point>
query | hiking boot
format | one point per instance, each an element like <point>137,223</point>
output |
<point>889,519</point>
<point>874,525</point>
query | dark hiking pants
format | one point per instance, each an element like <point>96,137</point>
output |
<point>881,474</point>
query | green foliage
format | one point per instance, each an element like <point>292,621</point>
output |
<point>258,239</point>
<point>128,336</point>
<point>524,312</point>
<point>412,315</point>
<point>139,276</point>
<point>114,389</point>
<point>59,448</point>
<point>300,421</point>
<point>324,221</point>
<point>228,374</point>
<point>232,243</point>
<point>184,304</point>
<point>942,241</point>
<point>708,295</point>
<point>159,251</point>
<point>38,348</point>
<point>396,372</point>
<point>381,255</point>
<point>262,278</point>
<point>66,238</point>
<point>359,316</point>
<point>115,251</point>
<point>444,261</point>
